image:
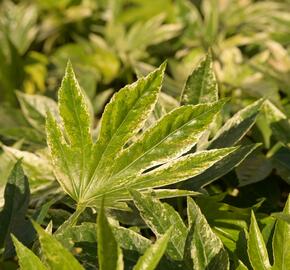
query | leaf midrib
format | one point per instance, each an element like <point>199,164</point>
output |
<point>106,147</point>
<point>160,142</point>
<point>161,225</point>
<point>82,137</point>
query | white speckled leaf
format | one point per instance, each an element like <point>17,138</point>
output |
<point>88,170</point>
<point>201,86</point>
<point>181,169</point>
<point>204,247</point>
<point>160,217</point>
<point>175,134</point>
<point>55,255</point>
<point>123,117</point>
<point>237,126</point>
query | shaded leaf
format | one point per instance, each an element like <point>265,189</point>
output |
<point>220,168</point>
<point>204,248</point>
<point>109,253</point>
<point>26,258</point>
<point>13,216</point>
<point>160,217</point>
<point>54,254</point>
<point>237,126</point>
<point>281,241</point>
<point>153,254</point>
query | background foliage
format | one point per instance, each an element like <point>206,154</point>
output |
<point>210,138</point>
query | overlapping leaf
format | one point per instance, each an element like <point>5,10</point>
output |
<point>88,170</point>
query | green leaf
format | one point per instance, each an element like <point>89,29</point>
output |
<point>35,107</point>
<point>54,254</point>
<point>201,86</point>
<point>220,168</point>
<point>282,216</point>
<point>254,168</point>
<point>160,217</point>
<point>237,126</point>
<point>109,253</point>
<point>182,168</point>
<point>241,266</point>
<point>26,258</point>
<point>13,216</point>
<point>79,164</point>
<point>153,254</point>
<point>256,247</point>
<point>64,159</point>
<point>204,248</point>
<point>281,241</point>
<point>175,134</point>
<point>130,240</point>
<point>122,119</point>
<point>86,232</point>
<point>74,112</point>
<point>278,122</point>
<point>36,167</point>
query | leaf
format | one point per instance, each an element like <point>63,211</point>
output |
<point>256,247</point>
<point>160,217</point>
<point>237,126</point>
<point>12,217</point>
<point>35,166</point>
<point>26,258</point>
<point>201,85</point>
<point>130,240</point>
<point>241,266</point>
<point>79,165</point>
<point>35,107</point>
<point>182,168</point>
<point>281,216</point>
<point>203,246</point>
<point>86,232</point>
<point>175,134</point>
<point>254,168</point>
<point>74,112</point>
<point>54,254</point>
<point>170,193</point>
<point>220,168</point>
<point>281,162</point>
<point>123,117</point>
<point>281,241</point>
<point>109,253</point>
<point>153,254</point>
<point>278,122</point>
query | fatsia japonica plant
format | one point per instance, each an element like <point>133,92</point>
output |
<point>126,155</point>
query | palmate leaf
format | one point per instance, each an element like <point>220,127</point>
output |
<point>88,170</point>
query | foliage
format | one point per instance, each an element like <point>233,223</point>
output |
<point>144,134</point>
